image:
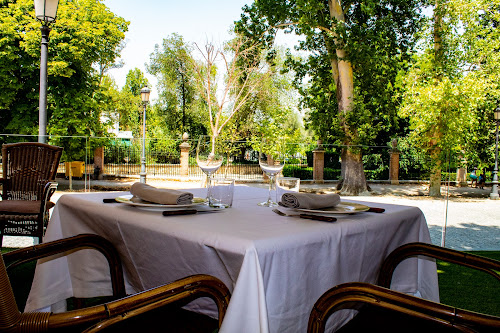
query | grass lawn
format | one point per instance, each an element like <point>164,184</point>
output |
<point>469,289</point>
<point>459,286</point>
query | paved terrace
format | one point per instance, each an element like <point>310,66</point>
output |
<point>472,219</point>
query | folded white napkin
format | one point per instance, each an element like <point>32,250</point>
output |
<point>160,196</point>
<point>309,200</point>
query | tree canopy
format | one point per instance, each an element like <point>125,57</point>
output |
<point>85,40</point>
<point>356,50</point>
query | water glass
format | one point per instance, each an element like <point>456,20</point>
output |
<point>220,193</point>
<point>286,184</point>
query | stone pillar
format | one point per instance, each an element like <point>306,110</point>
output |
<point>185,146</point>
<point>99,162</point>
<point>318,163</point>
<point>461,177</point>
<point>394,163</point>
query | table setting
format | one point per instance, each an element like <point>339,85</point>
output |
<point>275,256</point>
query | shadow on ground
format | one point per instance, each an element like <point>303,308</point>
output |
<point>466,236</point>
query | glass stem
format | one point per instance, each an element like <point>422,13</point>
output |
<point>271,186</point>
<point>209,178</point>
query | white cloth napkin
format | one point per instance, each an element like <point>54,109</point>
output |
<point>160,196</point>
<point>309,200</point>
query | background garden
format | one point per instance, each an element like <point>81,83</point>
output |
<point>424,73</point>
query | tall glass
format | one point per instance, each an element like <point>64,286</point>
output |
<point>272,164</point>
<point>209,156</point>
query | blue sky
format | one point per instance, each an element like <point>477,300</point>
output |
<point>152,20</point>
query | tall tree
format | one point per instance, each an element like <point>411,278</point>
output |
<point>226,91</point>
<point>135,81</point>
<point>358,47</point>
<point>180,107</point>
<point>453,87</point>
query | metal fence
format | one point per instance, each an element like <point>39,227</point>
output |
<point>122,159</point>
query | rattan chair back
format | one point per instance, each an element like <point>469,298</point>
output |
<point>28,174</point>
<point>377,302</point>
<point>27,167</point>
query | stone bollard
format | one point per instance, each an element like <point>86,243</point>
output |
<point>185,146</point>
<point>318,164</point>
<point>394,163</point>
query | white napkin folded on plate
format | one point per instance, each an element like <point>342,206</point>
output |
<point>159,195</point>
<point>309,200</point>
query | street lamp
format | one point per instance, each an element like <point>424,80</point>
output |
<point>145,99</point>
<point>45,12</point>
<point>494,188</point>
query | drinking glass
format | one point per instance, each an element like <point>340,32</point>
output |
<point>285,185</point>
<point>209,156</point>
<point>271,163</point>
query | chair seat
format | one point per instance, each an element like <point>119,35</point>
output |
<point>20,206</point>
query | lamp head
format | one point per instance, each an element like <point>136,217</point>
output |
<point>46,10</point>
<point>496,113</point>
<point>145,94</point>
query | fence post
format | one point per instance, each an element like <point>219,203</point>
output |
<point>98,162</point>
<point>318,163</point>
<point>461,176</point>
<point>394,163</point>
<point>185,146</point>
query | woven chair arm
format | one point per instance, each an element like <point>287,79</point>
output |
<point>72,244</point>
<point>48,190</point>
<point>422,249</point>
<point>355,294</point>
<point>186,289</point>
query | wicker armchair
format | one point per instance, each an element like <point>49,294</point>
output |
<point>382,309</point>
<point>125,311</point>
<point>29,170</point>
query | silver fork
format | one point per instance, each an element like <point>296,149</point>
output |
<point>307,216</point>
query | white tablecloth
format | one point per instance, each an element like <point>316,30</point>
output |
<point>275,267</point>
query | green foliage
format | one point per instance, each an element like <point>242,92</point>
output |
<point>378,37</point>
<point>306,173</point>
<point>179,108</point>
<point>85,36</point>
<point>135,81</point>
<point>452,88</point>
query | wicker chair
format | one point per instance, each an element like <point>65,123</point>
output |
<point>382,309</point>
<point>126,311</point>
<point>29,170</point>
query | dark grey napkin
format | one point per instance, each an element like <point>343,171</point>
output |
<point>160,195</point>
<point>309,200</point>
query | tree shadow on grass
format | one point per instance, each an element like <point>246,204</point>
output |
<point>468,237</point>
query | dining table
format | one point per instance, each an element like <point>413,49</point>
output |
<point>276,267</point>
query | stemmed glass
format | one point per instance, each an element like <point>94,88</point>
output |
<point>209,157</point>
<point>271,164</point>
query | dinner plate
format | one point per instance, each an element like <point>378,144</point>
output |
<point>126,199</point>
<point>342,208</point>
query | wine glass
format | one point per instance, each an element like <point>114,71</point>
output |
<point>271,163</point>
<point>209,157</point>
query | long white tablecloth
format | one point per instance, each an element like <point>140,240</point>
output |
<point>275,267</point>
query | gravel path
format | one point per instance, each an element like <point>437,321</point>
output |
<point>472,220</point>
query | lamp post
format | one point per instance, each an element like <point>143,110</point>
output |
<point>45,12</point>
<point>494,188</point>
<point>145,99</point>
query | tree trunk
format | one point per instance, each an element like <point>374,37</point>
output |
<point>435,178</point>
<point>435,151</point>
<point>353,176</point>
<point>354,181</point>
